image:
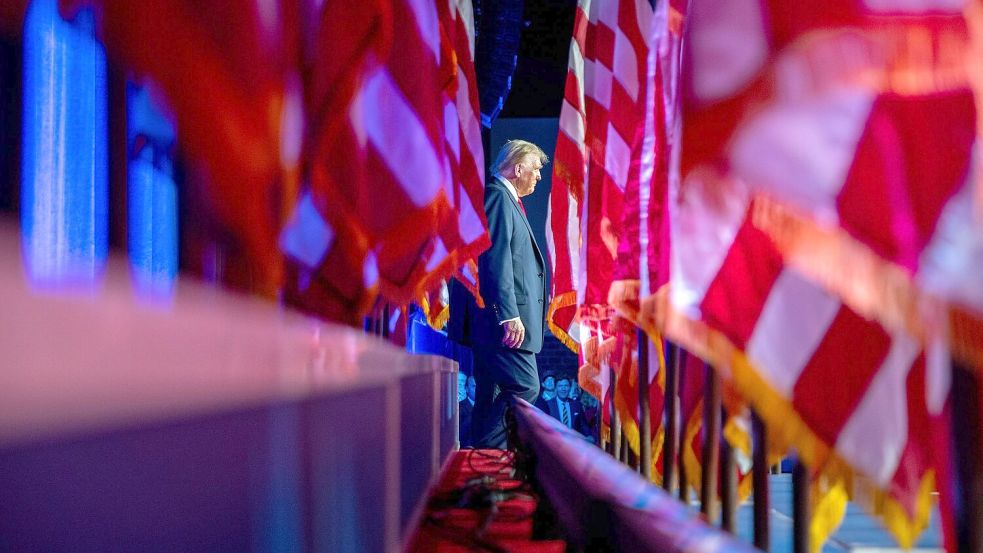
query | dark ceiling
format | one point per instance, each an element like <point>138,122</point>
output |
<point>541,70</point>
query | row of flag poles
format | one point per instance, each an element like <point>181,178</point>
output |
<point>790,192</point>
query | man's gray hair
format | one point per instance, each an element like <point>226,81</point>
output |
<point>513,152</point>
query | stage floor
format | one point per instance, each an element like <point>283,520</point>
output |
<point>859,532</point>
<point>457,517</point>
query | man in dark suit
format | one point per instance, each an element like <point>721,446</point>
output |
<point>465,408</point>
<point>508,332</point>
<point>563,409</point>
<point>547,391</point>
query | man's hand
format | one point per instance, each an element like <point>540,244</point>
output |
<point>514,334</point>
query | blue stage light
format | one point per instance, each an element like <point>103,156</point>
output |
<point>64,173</point>
<point>152,223</point>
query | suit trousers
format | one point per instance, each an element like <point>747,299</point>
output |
<point>500,375</point>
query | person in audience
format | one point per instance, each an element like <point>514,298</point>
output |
<point>574,390</point>
<point>592,416</point>
<point>570,413</point>
<point>462,386</point>
<point>464,409</point>
<point>547,391</point>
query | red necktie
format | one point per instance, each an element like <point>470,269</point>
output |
<point>522,207</point>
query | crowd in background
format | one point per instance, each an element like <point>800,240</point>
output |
<point>560,397</point>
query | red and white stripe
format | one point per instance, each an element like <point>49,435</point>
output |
<point>602,111</point>
<point>834,119</point>
<point>859,390</point>
<point>401,186</point>
<point>462,237</point>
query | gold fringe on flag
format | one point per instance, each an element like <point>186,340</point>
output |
<point>561,301</point>
<point>874,288</point>
<point>787,430</point>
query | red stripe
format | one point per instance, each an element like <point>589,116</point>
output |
<point>918,454</point>
<point>600,45</point>
<point>837,376</point>
<point>734,300</point>
<point>913,156</point>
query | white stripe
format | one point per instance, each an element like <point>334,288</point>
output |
<point>580,334</point>
<point>580,255</point>
<point>439,254</point>
<point>427,23</point>
<point>470,124</point>
<point>647,168</point>
<point>550,241</point>
<point>597,82</point>
<point>604,11</point>
<point>625,64</point>
<point>572,125</point>
<point>617,158</point>
<point>370,270</point>
<point>728,46</point>
<point>915,6</point>
<point>573,237</point>
<point>576,66</point>
<point>703,227</point>
<point>655,364</point>
<point>810,147</point>
<point>452,130</point>
<point>875,435</point>
<point>468,274</point>
<point>794,321</point>
<point>952,262</point>
<point>466,13</point>
<point>306,236</point>
<point>471,227</point>
<point>409,154</point>
<point>644,14</point>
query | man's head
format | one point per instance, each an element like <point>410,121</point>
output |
<point>462,392</point>
<point>519,162</point>
<point>563,388</point>
<point>471,388</point>
<point>574,389</point>
<point>588,401</point>
<point>549,382</point>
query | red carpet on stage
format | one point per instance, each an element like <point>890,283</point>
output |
<point>479,506</point>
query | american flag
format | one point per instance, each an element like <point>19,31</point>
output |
<point>461,239</point>
<point>340,139</point>
<point>602,109</point>
<point>826,131</point>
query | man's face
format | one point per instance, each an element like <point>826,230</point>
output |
<point>549,383</point>
<point>471,388</point>
<point>462,380</point>
<point>588,400</point>
<point>563,388</point>
<point>527,175</point>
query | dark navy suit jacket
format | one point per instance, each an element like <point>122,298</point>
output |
<point>512,276</point>
<point>577,420</point>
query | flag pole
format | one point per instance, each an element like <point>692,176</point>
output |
<point>759,481</point>
<point>615,419</point>
<point>728,483</point>
<point>644,409</point>
<point>800,508</point>
<point>711,444</point>
<point>671,449</point>
<point>968,469</point>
